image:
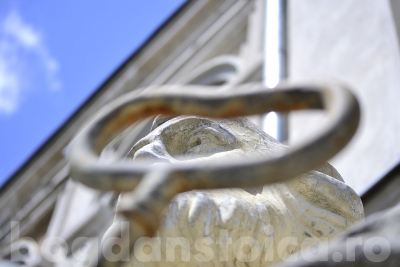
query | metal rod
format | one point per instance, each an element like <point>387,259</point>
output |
<point>341,106</point>
<point>275,62</point>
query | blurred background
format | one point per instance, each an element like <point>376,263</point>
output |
<point>61,61</point>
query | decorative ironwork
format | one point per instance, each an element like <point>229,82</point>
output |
<point>153,187</point>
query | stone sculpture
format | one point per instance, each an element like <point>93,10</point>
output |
<point>375,242</point>
<point>239,226</point>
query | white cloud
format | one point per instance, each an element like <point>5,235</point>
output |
<point>23,54</point>
<point>24,33</point>
<point>9,88</point>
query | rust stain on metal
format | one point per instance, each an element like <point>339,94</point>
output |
<point>149,227</point>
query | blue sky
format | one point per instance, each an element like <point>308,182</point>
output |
<point>54,55</point>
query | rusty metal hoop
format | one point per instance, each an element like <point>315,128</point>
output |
<point>343,118</point>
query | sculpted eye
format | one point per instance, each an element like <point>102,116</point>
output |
<point>193,142</point>
<point>191,137</point>
<point>204,135</point>
<point>206,141</point>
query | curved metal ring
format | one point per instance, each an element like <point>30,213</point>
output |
<point>340,104</point>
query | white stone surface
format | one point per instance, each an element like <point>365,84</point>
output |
<point>73,208</point>
<point>353,41</point>
<point>313,207</point>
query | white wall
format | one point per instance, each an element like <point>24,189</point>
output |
<point>355,42</point>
